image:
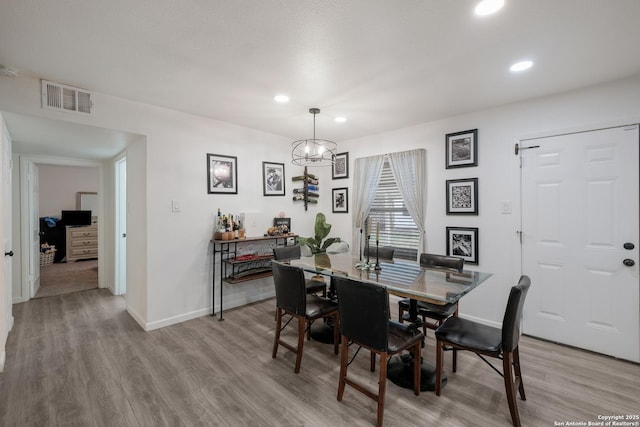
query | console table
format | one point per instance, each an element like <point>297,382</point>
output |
<point>236,267</point>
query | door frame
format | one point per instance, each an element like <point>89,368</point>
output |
<point>25,208</point>
<point>120,275</point>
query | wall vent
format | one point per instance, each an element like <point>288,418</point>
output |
<point>56,96</point>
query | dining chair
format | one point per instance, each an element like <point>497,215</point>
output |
<point>435,312</point>
<point>483,340</point>
<point>366,323</point>
<point>385,252</point>
<point>292,299</point>
<point>313,285</point>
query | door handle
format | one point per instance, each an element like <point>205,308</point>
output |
<point>124,234</point>
<point>628,246</point>
<point>10,253</point>
<point>629,262</point>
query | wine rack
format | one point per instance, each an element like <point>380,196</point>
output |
<point>310,191</point>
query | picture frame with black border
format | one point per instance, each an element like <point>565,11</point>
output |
<point>273,180</point>
<point>222,174</point>
<point>340,168</point>
<point>462,196</point>
<point>463,242</point>
<point>340,200</point>
<point>461,149</point>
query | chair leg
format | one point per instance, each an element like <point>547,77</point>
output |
<point>400,314</point>
<point>344,359</point>
<point>302,322</point>
<point>277,335</point>
<point>336,332</point>
<point>454,358</point>
<point>516,367</point>
<point>382,387</point>
<point>373,361</point>
<point>439,367</point>
<point>417,360</point>
<point>509,384</point>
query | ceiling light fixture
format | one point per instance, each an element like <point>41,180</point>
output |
<point>487,7</point>
<point>313,152</point>
<point>281,99</point>
<point>340,119</point>
<point>521,66</point>
<point>7,72</point>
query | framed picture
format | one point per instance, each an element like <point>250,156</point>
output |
<point>462,196</point>
<point>272,179</point>
<point>463,242</point>
<point>462,149</point>
<point>340,200</point>
<point>222,174</point>
<point>340,166</point>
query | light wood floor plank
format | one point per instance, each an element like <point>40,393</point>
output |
<point>80,359</point>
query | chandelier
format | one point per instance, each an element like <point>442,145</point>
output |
<point>313,152</point>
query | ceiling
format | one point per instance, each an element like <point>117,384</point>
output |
<point>382,64</point>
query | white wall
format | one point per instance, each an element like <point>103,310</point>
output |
<point>169,254</point>
<point>59,186</point>
<point>498,173</point>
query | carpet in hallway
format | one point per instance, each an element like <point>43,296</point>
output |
<point>63,278</point>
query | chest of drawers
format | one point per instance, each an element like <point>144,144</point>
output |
<point>82,242</point>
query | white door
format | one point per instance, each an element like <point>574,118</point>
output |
<point>121,227</point>
<point>6,319</point>
<point>579,212</point>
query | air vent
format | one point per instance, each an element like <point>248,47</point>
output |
<point>56,96</point>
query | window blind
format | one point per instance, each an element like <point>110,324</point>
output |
<point>388,212</point>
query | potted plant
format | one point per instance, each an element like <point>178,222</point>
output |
<point>316,244</point>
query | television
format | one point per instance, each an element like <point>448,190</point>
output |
<point>76,218</point>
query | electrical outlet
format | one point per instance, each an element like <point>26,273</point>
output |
<point>175,206</point>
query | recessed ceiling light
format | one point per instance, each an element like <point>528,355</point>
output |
<point>521,66</point>
<point>487,7</point>
<point>281,98</point>
<point>340,119</point>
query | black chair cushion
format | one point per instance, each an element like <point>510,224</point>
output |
<point>317,306</point>
<point>471,335</point>
<point>433,311</point>
<point>401,336</point>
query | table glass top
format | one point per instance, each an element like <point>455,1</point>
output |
<point>400,277</point>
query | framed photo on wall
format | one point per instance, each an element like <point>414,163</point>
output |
<point>340,200</point>
<point>463,242</point>
<point>340,166</point>
<point>273,179</point>
<point>222,174</point>
<point>462,149</point>
<point>462,196</point>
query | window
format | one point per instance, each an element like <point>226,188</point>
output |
<point>397,229</point>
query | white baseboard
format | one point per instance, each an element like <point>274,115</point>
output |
<point>137,318</point>
<point>177,319</point>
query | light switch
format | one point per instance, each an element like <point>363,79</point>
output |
<point>505,206</point>
<point>175,206</point>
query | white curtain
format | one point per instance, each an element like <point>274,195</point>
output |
<point>409,170</point>
<point>365,186</point>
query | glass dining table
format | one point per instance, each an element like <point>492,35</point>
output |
<point>403,278</point>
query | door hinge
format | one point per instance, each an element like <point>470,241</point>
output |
<point>517,148</point>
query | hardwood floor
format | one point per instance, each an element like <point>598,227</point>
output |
<point>80,359</point>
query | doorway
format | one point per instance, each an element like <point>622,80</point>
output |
<point>580,237</point>
<point>60,186</point>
